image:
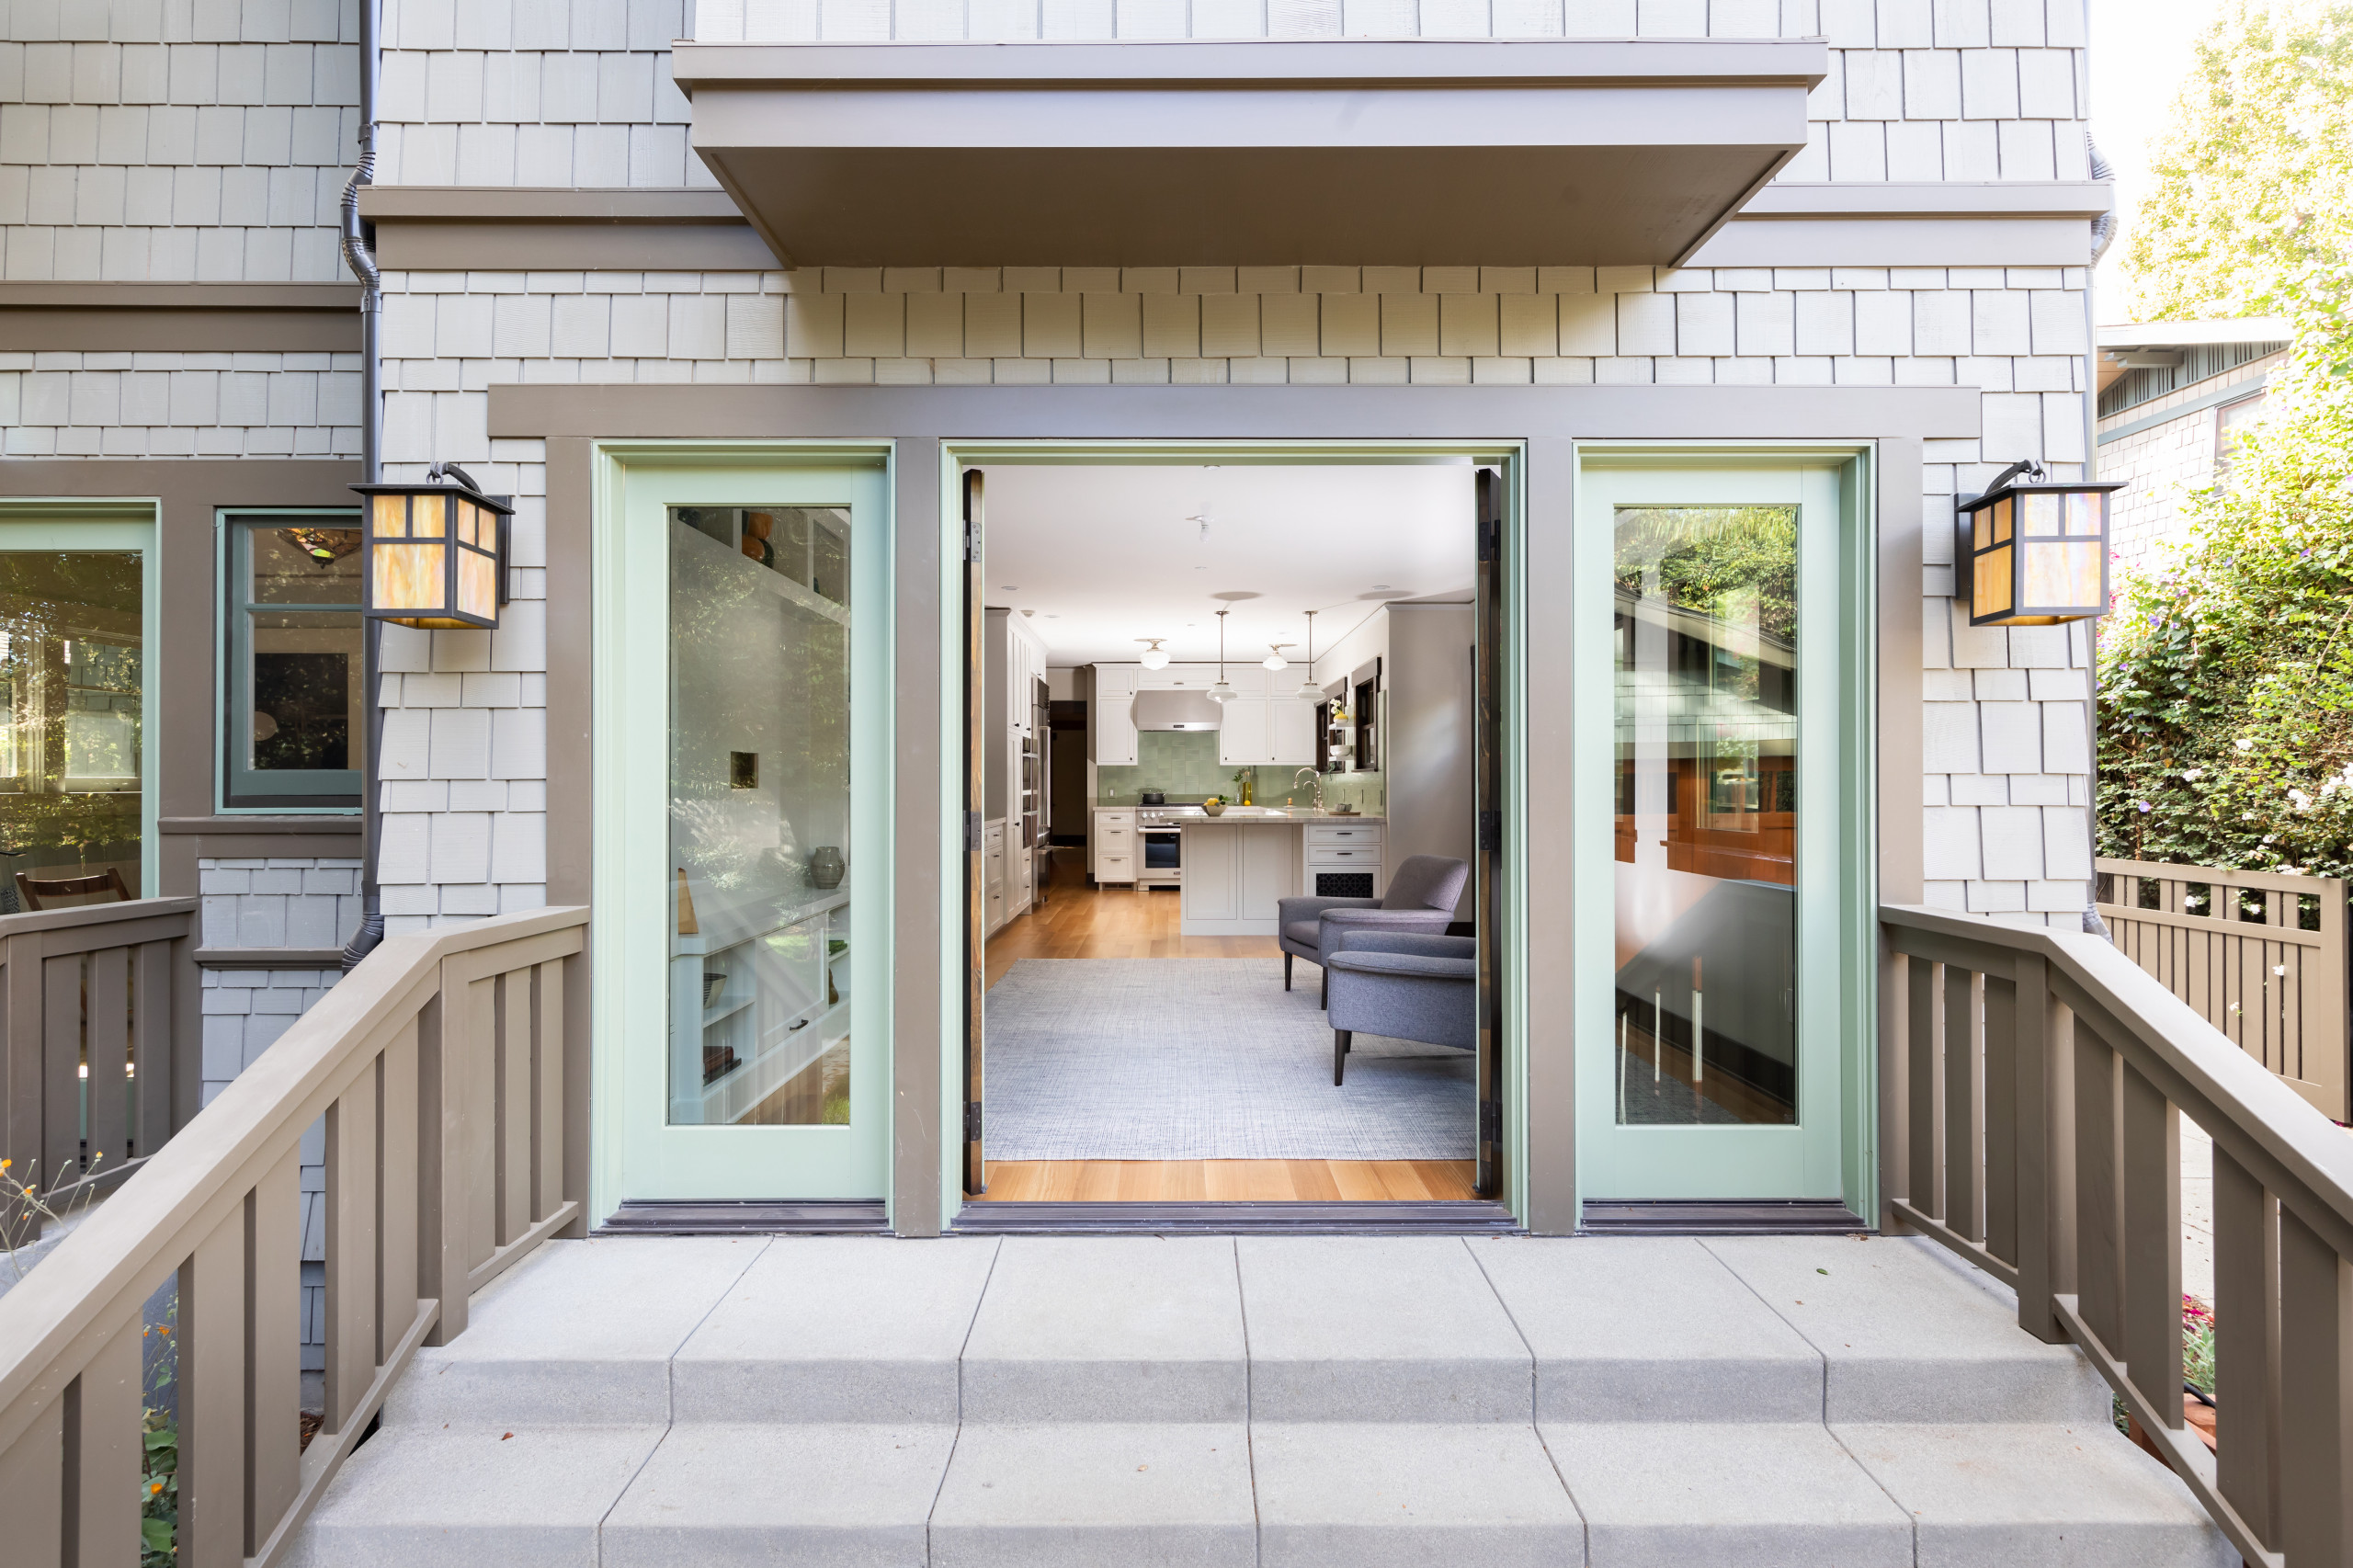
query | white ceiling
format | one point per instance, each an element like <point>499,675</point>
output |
<point>1100,557</point>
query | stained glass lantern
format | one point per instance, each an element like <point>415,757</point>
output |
<point>2034,554</point>
<point>435,553</point>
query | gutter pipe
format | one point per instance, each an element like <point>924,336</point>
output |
<point>2104,229</point>
<point>360,254</point>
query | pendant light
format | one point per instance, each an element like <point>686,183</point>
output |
<point>1307,690</point>
<point>1154,659</point>
<point>1274,659</point>
<point>1224,691</point>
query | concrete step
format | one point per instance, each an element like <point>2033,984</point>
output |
<point>1214,1328</point>
<point>1368,1494</point>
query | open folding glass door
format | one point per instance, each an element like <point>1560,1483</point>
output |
<point>1488,751</point>
<point>976,930</point>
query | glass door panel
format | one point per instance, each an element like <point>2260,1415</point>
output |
<point>73,675</point>
<point>742,793</point>
<point>1710,1055</point>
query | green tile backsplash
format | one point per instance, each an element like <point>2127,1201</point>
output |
<point>1183,764</point>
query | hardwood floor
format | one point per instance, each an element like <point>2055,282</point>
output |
<point>1080,921</point>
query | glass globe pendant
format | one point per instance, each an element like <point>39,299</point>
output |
<point>1154,659</point>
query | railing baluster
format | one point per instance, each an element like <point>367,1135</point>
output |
<point>153,1021</point>
<point>2001,1117</point>
<point>106,1049</point>
<point>32,1488</point>
<point>60,1033</point>
<point>547,1079</point>
<point>103,1447</point>
<point>441,1266</point>
<point>273,1348</point>
<point>2098,1203</point>
<point>2151,1251</point>
<point>2246,1346</point>
<point>2315,1396</point>
<point>1920,1079</point>
<point>1963,1133</point>
<point>213,1398</point>
<point>474,1057</point>
<point>351,1250</point>
<point>396,1191</point>
<point>515,1107</point>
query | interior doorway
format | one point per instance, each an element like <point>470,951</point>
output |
<point>1269,970</point>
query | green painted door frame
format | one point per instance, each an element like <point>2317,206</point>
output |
<point>1828,1154</point>
<point>636,1151</point>
<point>76,523</point>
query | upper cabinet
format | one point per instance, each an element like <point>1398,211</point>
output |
<point>1112,726</point>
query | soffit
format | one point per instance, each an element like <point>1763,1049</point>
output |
<point>1374,152</point>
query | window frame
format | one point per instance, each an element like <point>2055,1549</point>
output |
<point>322,792</point>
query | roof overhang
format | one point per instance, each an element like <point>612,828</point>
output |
<point>1373,152</point>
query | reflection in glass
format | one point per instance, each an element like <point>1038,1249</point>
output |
<point>759,815</point>
<point>70,738</point>
<point>1706,630</point>
<point>301,656</point>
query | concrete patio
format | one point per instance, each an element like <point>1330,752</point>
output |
<point>1356,1403</point>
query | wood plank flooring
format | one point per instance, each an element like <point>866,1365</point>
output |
<point>1080,921</point>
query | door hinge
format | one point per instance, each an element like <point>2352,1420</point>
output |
<point>971,1121</point>
<point>1491,831</point>
<point>973,833</point>
<point>1491,1121</point>
<point>973,546</point>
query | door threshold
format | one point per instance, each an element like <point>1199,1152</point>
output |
<point>748,1217</point>
<point>1386,1217</point>
<point>1714,1217</point>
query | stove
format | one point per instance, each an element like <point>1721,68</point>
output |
<point>1161,831</point>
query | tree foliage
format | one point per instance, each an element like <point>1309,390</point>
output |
<point>2226,681</point>
<point>2253,179</point>
<point>2226,689</point>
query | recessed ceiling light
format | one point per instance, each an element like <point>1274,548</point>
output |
<point>1377,587</point>
<point>1016,588</point>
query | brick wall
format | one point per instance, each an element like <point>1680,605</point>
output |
<point>175,141</point>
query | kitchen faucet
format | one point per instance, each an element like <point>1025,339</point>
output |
<point>1316,774</point>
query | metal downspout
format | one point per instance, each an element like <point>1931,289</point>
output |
<point>2103,236</point>
<point>360,254</point>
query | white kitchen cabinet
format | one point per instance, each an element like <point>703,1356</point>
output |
<point>1290,734</point>
<point>1112,727</point>
<point>992,874</point>
<point>1235,873</point>
<point>1241,733</point>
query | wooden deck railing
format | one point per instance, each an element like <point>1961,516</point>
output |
<point>2034,1086</point>
<point>112,989</point>
<point>2236,947</point>
<point>440,1066</point>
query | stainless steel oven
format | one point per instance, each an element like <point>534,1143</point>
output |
<point>1162,849</point>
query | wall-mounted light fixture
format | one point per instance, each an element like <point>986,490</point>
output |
<point>435,553</point>
<point>2033,553</point>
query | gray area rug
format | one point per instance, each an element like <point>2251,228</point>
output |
<point>1204,1059</point>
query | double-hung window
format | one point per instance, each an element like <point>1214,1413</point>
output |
<point>294,698</point>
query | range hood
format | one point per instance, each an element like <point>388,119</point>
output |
<point>1175,710</point>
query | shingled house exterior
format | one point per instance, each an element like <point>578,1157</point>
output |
<point>630,246</point>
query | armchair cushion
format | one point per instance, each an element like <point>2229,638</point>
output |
<point>1359,939</point>
<point>1405,985</point>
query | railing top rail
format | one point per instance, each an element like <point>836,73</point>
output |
<point>2222,876</point>
<point>63,1311</point>
<point>93,914</point>
<point>2239,1103</point>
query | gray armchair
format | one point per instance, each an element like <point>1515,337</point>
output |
<point>1421,898</point>
<point>1403,986</point>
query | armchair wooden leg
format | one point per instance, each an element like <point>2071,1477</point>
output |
<point>1325,1001</point>
<point>1339,1056</point>
<point>1287,958</point>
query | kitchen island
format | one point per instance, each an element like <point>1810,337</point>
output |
<point>1238,866</point>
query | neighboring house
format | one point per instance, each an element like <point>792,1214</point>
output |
<point>650,255</point>
<point>2170,394</point>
